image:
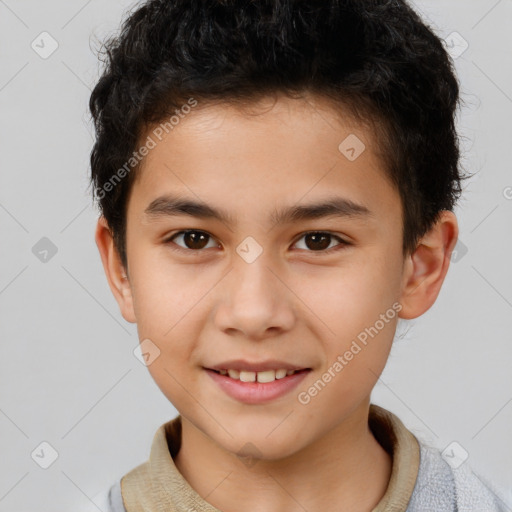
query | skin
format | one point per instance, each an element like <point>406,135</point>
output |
<point>294,302</point>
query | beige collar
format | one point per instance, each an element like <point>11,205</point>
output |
<point>158,486</point>
<point>404,449</point>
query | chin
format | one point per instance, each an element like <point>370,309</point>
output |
<point>253,446</point>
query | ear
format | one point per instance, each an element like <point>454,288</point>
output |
<point>426,268</point>
<point>114,270</point>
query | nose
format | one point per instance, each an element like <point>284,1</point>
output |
<point>255,302</point>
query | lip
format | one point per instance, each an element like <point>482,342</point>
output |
<point>242,364</point>
<point>257,392</point>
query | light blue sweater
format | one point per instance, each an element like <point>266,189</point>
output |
<point>439,488</point>
<point>158,486</point>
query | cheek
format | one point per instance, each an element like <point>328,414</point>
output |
<point>354,304</point>
<point>349,297</point>
<point>165,294</point>
<point>165,305</point>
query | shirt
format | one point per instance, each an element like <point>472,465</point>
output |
<point>421,479</point>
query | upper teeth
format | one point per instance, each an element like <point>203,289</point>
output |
<point>266,376</point>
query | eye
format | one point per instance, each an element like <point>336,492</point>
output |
<point>193,239</point>
<point>319,241</point>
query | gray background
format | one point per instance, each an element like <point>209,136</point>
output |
<point>68,373</point>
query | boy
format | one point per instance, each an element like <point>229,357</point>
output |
<point>234,140</point>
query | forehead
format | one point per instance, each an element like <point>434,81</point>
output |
<point>276,151</point>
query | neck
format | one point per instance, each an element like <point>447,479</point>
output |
<point>353,475</point>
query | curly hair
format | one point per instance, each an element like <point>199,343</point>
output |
<point>375,57</point>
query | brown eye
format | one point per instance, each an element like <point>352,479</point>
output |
<point>196,241</point>
<point>320,241</point>
<point>192,239</point>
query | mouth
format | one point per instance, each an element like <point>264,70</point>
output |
<point>263,377</point>
<point>257,387</point>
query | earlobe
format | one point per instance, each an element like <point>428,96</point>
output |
<point>114,270</point>
<point>425,269</point>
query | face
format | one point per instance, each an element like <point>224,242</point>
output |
<point>261,274</point>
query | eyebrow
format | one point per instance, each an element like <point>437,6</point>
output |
<point>169,205</point>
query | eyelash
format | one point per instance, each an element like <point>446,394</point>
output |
<point>343,243</point>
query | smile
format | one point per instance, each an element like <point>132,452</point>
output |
<point>264,376</point>
<point>251,387</point>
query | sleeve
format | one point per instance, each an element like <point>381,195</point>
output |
<point>475,493</point>
<point>115,499</point>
